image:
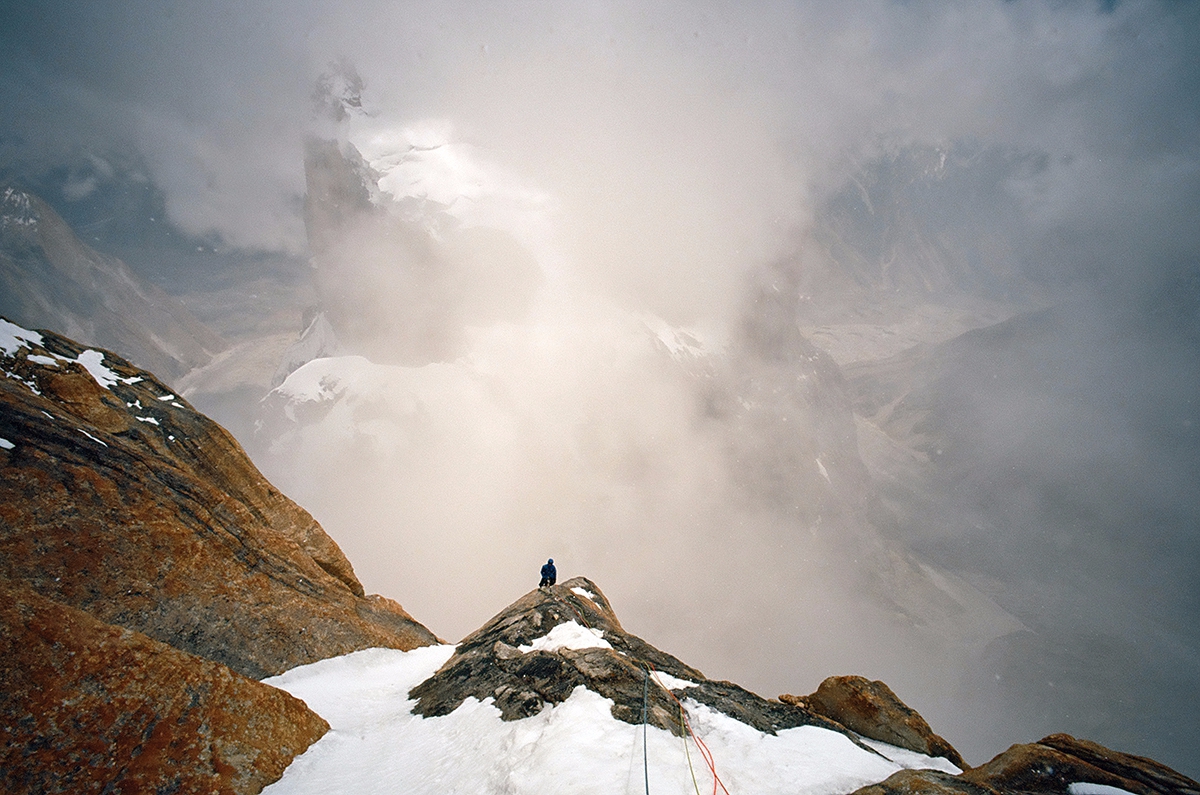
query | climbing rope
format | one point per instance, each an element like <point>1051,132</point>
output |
<point>687,751</point>
<point>685,724</point>
<point>575,609</point>
<point>704,752</point>
<point>645,726</point>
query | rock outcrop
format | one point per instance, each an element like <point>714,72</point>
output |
<point>510,661</point>
<point>118,499</point>
<point>89,707</point>
<point>871,709</point>
<point>1052,766</point>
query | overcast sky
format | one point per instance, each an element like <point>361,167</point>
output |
<point>214,96</point>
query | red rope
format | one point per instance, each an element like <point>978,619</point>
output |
<point>704,752</point>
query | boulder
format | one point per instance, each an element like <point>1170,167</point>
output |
<point>119,499</point>
<point>1050,766</point>
<point>89,707</point>
<point>925,782</point>
<point>871,709</point>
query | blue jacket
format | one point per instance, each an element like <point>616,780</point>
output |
<point>549,572</point>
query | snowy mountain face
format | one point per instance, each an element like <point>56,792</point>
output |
<point>400,288</point>
<point>16,210</point>
<point>49,278</point>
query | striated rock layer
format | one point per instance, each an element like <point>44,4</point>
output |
<point>119,499</point>
<point>89,707</point>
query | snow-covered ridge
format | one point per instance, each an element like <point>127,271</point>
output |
<point>14,338</point>
<point>378,745</point>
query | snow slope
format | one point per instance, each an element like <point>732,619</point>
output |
<point>376,744</point>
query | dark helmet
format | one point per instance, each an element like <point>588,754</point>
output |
<point>551,560</point>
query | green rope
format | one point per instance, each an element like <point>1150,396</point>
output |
<point>686,750</point>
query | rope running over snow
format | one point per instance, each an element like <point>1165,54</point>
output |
<point>646,727</point>
<point>685,724</point>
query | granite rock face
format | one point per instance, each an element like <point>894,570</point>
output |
<point>90,707</point>
<point>501,661</point>
<point>871,709</point>
<point>119,499</point>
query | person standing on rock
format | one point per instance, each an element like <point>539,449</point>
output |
<point>549,574</point>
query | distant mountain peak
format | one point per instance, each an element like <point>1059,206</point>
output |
<point>16,209</point>
<point>50,278</point>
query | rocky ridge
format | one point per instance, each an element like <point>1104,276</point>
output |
<point>505,661</point>
<point>553,640</point>
<point>149,575</point>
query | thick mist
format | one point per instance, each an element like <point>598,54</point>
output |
<point>631,285</point>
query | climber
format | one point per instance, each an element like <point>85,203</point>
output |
<point>549,574</point>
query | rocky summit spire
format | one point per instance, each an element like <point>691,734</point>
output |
<point>553,640</point>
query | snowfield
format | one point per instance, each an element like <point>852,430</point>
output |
<point>377,745</point>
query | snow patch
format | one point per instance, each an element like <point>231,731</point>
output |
<point>1087,788</point>
<point>150,420</point>
<point>672,682</point>
<point>584,592</point>
<point>37,358</point>
<point>914,760</point>
<point>93,438</point>
<point>93,362</point>
<point>377,745</point>
<point>5,444</point>
<point>570,635</point>
<point>30,384</point>
<point>165,398</point>
<point>13,338</point>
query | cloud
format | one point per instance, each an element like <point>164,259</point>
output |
<point>749,113</point>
